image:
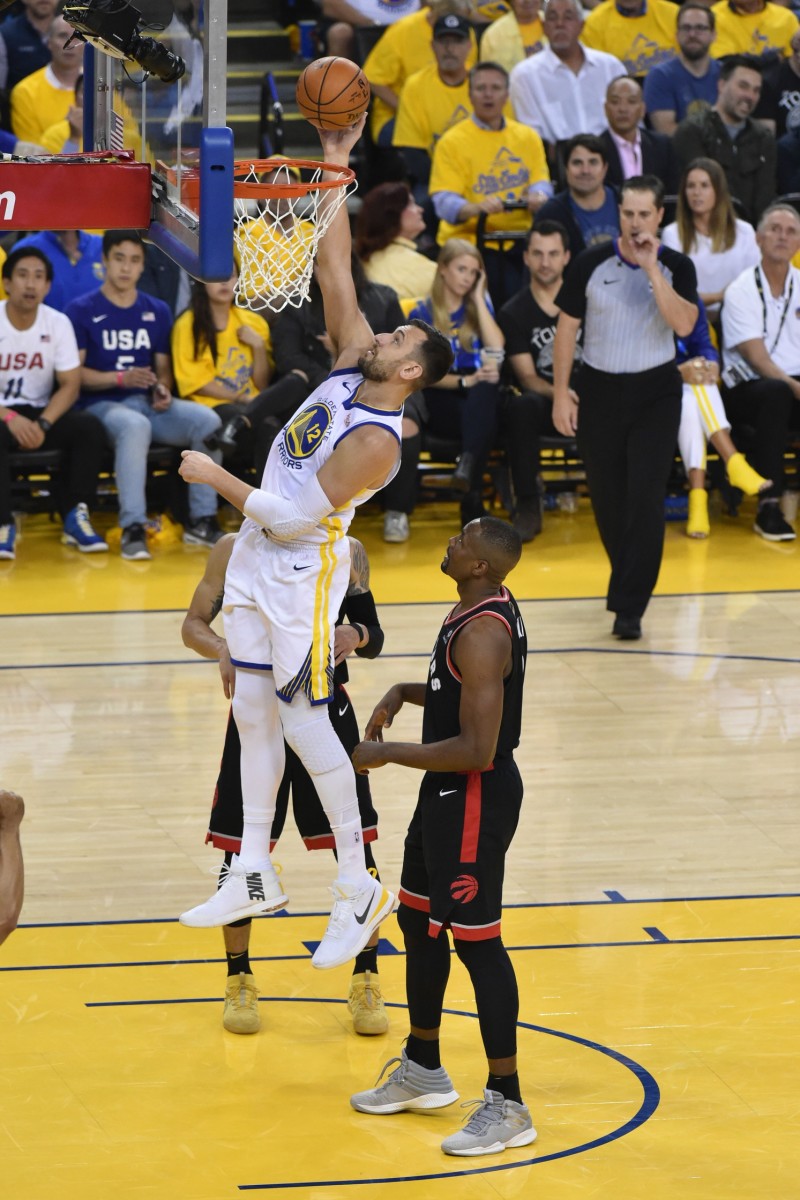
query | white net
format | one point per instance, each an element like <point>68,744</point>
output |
<point>276,237</point>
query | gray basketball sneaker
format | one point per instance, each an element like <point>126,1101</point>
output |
<point>411,1087</point>
<point>496,1124</point>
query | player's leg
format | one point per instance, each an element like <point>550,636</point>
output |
<point>360,901</point>
<point>12,876</point>
<point>419,1082</point>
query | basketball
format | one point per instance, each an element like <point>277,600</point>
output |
<point>332,93</point>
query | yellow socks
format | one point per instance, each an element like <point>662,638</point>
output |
<point>742,476</point>
<point>698,525</point>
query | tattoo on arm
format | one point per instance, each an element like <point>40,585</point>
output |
<point>359,570</point>
<point>216,607</point>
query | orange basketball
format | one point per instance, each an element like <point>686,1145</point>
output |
<point>332,93</point>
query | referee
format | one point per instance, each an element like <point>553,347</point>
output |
<point>632,297</point>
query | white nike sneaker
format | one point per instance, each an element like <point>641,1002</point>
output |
<point>357,913</point>
<point>243,894</point>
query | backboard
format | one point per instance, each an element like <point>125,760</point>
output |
<point>180,129</point>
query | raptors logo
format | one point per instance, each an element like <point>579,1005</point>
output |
<point>464,889</point>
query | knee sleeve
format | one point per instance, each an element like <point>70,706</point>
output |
<point>496,994</point>
<point>412,922</point>
<point>310,734</point>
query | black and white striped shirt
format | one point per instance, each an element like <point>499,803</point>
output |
<point>623,331</point>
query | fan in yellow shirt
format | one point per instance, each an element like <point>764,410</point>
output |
<point>752,27</point>
<point>640,33</point>
<point>221,355</point>
<point>485,162</point>
<point>406,47</point>
<point>514,37</point>
<point>46,96</point>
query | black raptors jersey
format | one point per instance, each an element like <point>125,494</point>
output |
<point>443,693</point>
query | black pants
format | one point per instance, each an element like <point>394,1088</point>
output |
<point>770,408</point>
<point>527,417</point>
<point>83,440</point>
<point>627,434</point>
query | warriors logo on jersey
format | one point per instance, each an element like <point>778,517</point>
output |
<point>306,430</point>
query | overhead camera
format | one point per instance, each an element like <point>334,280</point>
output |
<point>113,27</point>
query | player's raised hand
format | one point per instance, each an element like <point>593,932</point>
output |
<point>197,467</point>
<point>337,143</point>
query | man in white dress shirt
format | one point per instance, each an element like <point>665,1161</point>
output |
<point>761,357</point>
<point>562,90</point>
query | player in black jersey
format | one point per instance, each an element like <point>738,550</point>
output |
<point>455,849</point>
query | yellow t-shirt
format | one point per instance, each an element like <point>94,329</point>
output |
<point>234,365</point>
<point>507,42</point>
<point>56,138</point>
<point>37,102</point>
<point>478,163</point>
<point>401,266</point>
<point>638,42</point>
<point>428,107</point>
<point>753,33</point>
<point>406,47</point>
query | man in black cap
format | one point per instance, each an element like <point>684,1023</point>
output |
<point>434,99</point>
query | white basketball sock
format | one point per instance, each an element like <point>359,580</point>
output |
<point>255,710</point>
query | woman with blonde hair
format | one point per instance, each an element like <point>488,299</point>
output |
<point>465,402</point>
<point>706,228</point>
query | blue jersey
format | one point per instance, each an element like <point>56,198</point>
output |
<point>117,338</point>
<point>70,279</point>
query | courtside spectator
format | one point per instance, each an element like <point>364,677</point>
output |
<point>23,42</point>
<point>528,323</point>
<point>39,384</point>
<point>434,99</point>
<point>561,91</point>
<point>632,149</point>
<point>483,164</point>
<point>679,87</point>
<point>126,381</point>
<point>727,133</point>
<point>387,223</point>
<point>761,358</point>
<point>46,96</point>
<point>780,93</point>
<point>405,47</point>
<point>587,208</point>
<point>77,260</point>
<point>720,244</point>
<point>641,33</point>
<point>752,27</point>
<point>514,37</point>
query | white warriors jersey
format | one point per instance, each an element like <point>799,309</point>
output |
<point>309,438</point>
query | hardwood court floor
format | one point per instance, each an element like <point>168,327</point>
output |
<point>652,895</point>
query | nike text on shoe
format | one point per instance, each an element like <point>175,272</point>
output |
<point>134,544</point>
<point>78,532</point>
<point>410,1088</point>
<point>496,1124</point>
<point>357,912</point>
<point>243,894</point>
<point>8,536</point>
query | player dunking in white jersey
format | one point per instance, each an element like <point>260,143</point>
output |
<point>287,577</point>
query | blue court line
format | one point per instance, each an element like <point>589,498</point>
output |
<point>613,898</point>
<point>655,933</point>
<point>620,945</point>
<point>199,662</point>
<point>650,1100</point>
<point>145,612</point>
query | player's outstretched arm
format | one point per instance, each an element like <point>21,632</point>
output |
<point>344,321</point>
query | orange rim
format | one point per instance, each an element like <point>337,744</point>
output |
<point>249,190</point>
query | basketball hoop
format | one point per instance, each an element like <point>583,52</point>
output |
<point>278,226</point>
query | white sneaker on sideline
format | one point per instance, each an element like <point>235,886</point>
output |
<point>357,913</point>
<point>243,894</point>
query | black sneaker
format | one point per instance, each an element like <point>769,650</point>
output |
<point>226,438</point>
<point>627,627</point>
<point>527,521</point>
<point>203,532</point>
<point>134,543</point>
<point>771,524</point>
